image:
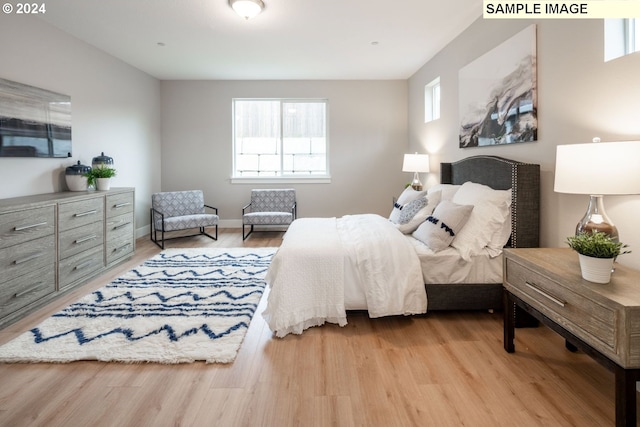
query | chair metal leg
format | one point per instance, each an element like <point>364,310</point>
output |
<point>244,236</point>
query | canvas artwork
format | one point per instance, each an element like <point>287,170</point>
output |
<point>497,94</point>
<point>34,122</point>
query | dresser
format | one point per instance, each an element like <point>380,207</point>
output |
<point>603,320</point>
<point>51,243</point>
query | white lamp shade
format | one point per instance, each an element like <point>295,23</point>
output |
<point>415,163</point>
<point>598,168</point>
<point>247,8</point>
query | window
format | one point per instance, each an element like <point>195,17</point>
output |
<point>432,101</point>
<point>280,138</point>
<point>621,37</point>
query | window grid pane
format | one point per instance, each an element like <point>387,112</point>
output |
<point>275,138</point>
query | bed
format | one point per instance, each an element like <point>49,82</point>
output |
<point>328,266</point>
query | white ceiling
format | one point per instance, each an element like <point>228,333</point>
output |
<point>290,39</point>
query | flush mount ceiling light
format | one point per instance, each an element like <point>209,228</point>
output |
<point>247,8</point>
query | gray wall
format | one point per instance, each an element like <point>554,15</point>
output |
<point>367,141</point>
<point>579,97</point>
<point>115,109</point>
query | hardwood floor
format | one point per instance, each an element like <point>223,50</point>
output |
<point>441,369</point>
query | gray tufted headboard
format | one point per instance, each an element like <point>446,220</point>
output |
<point>501,174</point>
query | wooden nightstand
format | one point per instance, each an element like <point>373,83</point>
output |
<point>601,320</point>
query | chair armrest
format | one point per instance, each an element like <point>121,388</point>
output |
<point>294,210</point>
<point>211,207</point>
<point>243,209</point>
<point>154,210</point>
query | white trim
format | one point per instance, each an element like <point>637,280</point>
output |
<point>283,180</point>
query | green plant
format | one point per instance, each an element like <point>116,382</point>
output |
<point>99,172</point>
<point>596,244</point>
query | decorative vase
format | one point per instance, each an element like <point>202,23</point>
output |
<point>102,161</point>
<point>103,184</point>
<point>74,176</point>
<point>596,270</point>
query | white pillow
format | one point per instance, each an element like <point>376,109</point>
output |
<point>407,196</point>
<point>441,227</point>
<point>491,210</point>
<point>447,190</point>
<point>432,201</point>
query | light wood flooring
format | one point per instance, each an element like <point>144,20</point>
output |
<point>441,369</point>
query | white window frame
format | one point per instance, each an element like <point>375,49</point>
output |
<point>621,37</point>
<point>319,178</point>
<point>432,100</point>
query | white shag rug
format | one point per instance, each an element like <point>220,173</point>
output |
<point>181,306</point>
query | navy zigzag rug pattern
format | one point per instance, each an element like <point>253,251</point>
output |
<point>181,306</point>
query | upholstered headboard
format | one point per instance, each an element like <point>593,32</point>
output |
<point>501,174</point>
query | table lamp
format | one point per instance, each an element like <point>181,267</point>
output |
<point>596,169</point>
<point>416,163</point>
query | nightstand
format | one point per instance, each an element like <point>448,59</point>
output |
<point>601,320</point>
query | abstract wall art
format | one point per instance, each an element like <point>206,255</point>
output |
<point>497,94</point>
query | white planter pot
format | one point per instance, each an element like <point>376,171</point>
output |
<point>103,184</point>
<point>597,270</point>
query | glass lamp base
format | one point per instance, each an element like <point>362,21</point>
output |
<point>416,184</point>
<point>596,219</point>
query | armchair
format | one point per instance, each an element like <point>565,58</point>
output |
<point>269,207</point>
<point>180,210</point>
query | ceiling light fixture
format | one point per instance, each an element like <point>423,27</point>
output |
<point>247,8</point>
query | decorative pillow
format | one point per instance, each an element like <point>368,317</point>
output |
<point>413,223</point>
<point>491,210</point>
<point>442,226</point>
<point>407,196</point>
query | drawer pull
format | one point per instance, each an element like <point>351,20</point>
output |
<point>84,265</point>
<point>27,291</point>
<point>121,225</point>
<point>26,227</point>
<point>535,288</point>
<point>85,239</point>
<point>81,214</point>
<point>29,258</point>
<point>121,205</point>
<point>121,248</point>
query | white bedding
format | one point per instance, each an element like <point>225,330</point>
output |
<point>321,257</point>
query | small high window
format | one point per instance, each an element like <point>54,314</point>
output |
<point>621,37</point>
<point>432,101</point>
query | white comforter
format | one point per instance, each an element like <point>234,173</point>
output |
<point>320,256</point>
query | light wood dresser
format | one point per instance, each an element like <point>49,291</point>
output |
<point>51,243</point>
<point>603,320</point>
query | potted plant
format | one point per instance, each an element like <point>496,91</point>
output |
<point>100,177</point>
<point>596,252</point>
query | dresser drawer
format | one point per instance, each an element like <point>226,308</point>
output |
<point>19,260</point>
<point>79,266</point>
<point>79,239</point>
<point>75,214</point>
<point>119,204</point>
<point>21,226</point>
<point>119,248</point>
<point>119,226</point>
<point>584,317</point>
<point>24,290</point>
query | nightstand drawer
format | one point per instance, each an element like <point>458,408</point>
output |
<point>584,317</point>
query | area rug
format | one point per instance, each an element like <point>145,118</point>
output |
<point>181,306</point>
